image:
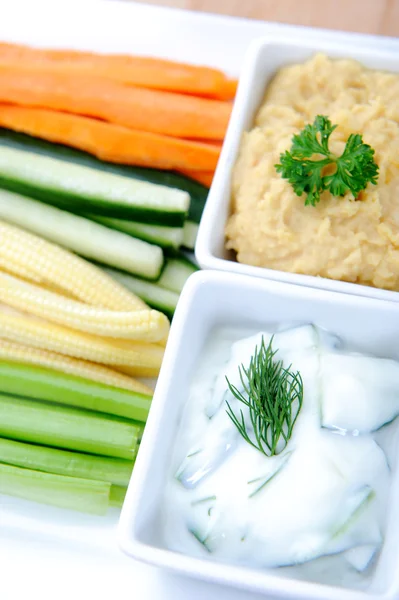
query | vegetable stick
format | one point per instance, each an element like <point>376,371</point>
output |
<point>110,142</point>
<point>12,351</point>
<point>229,89</point>
<point>143,325</point>
<point>204,177</point>
<point>42,383</point>
<point>168,113</point>
<point>83,495</point>
<point>81,235</point>
<point>117,495</point>
<point>138,371</point>
<point>134,70</point>
<point>70,428</point>
<point>212,142</point>
<point>64,462</point>
<point>159,298</point>
<point>31,257</point>
<point>22,328</point>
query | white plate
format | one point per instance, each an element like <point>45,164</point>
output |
<point>50,554</point>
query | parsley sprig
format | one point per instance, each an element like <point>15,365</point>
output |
<point>354,169</point>
<point>273,395</point>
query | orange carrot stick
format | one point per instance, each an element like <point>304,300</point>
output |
<point>204,177</point>
<point>110,142</point>
<point>169,113</point>
<point>134,70</point>
<point>215,143</point>
<point>229,89</point>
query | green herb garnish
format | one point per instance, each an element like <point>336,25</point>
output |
<point>354,169</point>
<point>274,398</point>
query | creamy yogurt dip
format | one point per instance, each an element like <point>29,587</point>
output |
<point>317,509</point>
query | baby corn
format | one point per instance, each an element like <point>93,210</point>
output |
<point>12,351</point>
<point>138,371</point>
<point>35,332</point>
<point>144,325</point>
<point>28,256</point>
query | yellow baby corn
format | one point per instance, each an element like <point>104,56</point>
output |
<point>28,256</point>
<point>73,366</point>
<point>17,269</point>
<point>145,325</point>
<point>25,329</point>
<point>149,372</point>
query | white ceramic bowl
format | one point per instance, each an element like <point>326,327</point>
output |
<point>263,59</point>
<point>211,299</point>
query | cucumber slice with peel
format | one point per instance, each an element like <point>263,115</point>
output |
<point>84,189</point>
<point>155,296</point>
<point>198,193</point>
<point>166,237</point>
<point>190,232</point>
<point>85,237</point>
<point>175,273</point>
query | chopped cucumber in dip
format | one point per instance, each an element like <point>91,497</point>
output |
<point>320,499</point>
<point>359,393</point>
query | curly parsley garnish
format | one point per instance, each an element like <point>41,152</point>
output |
<point>273,395</point>
<point>354,169</point>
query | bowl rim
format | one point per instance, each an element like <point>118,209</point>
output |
<point>206,257</point>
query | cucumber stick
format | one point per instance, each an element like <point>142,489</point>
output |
<point>190,232</point>
<point>162,299</point>
<point>21,141</point>
<point>46,384</point>
<point>197,192</point>
<point>166,237</point>
<point>70,428</point>
<point>83,495</point>
<point>175,273</point>
<point>28,143</point>
<point>84,189</point>
<point>64,462</point>
<point>81,235</point>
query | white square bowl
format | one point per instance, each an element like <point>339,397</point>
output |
<point>211,299</point>
<point>264,57</point>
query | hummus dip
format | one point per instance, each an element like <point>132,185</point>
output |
<point>270,226</point>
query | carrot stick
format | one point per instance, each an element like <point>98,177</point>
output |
<point>110,142</point>
<point>147,72</point>
<point>215,143</point>
<point>229,89</point>
<point>169,113</point>
<point>204,177</point>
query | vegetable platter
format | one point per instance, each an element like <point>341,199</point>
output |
<point>46,551</point>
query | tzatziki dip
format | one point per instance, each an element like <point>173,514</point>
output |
<point>302,487</point>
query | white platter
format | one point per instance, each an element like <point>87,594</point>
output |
<point>50,554</point>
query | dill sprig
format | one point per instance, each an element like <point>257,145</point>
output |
<point>273,395</point>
